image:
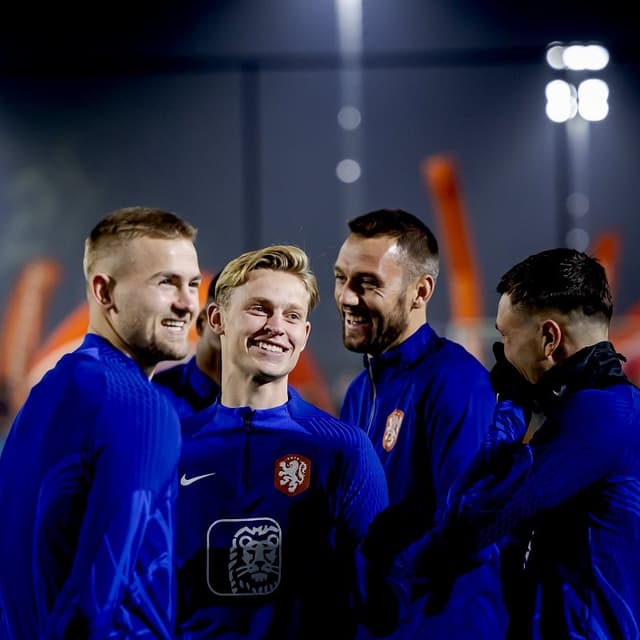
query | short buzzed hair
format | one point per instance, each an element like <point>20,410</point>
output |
<point>413,237</point>
<point>130,223</point>
<point>286,258</point>
<point>566,280</point>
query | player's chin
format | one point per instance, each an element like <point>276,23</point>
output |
<point>174,350</point>
<point>355,344</point>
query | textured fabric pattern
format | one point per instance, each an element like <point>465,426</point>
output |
<point>189,388</point>
<point>272,504</point>
<point>426,406</point>
<point>88,483</point>
<point>575,488</point>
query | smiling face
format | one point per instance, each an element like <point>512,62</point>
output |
<point>263,327</point>
<point>147,291</point>
<point>372,295</point>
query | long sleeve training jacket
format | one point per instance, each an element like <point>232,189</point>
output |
<point>271,507</point>
<point>576,489</point>
<point>87,504</point>
<point>426,406</point>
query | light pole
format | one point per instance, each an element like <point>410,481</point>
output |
<point>575,101</point>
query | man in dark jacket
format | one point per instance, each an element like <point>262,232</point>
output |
<point>566,486</point>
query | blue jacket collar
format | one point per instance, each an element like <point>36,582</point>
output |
<point>406,353</point>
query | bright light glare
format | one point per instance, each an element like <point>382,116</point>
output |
<point>554,56</point>
<point>558,90</point>
<point>574,57</point>
<point>349,14</point>
<point>349,118</point>
<point>348,170</point>
<point>597,57</point>
<point>579,57</point>
<point>561,101</point>
<point>592,99</point>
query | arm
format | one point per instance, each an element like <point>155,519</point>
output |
<point>364,495</point>
<point>456,415</point>
<point>581,445</point>
<point>122,573</point>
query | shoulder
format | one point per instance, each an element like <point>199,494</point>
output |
<point>78,377</point>
<point>451,365</point>
<point>449,350</point>
<point>323,424</point>
<point>612,406</point>
<point>125,399</point>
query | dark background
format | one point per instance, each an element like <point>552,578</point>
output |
<point>225,112</point>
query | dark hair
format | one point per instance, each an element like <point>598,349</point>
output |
<point>562,279</point>
<point>413,237</point>
<point>211,296</point>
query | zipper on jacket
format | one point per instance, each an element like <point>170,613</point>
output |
<point>372,413</point>
<point>247,448</point>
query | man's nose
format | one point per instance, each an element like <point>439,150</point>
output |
<point>274,324</point>
<point>188,299</point>
<point>345,295</point>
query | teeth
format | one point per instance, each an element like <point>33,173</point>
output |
<point>270,347</point>
<point>178,324</point>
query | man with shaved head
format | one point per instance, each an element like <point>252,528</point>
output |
<point>88,473</point>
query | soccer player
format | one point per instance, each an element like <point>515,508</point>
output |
<point>275,494</point>
<point>424,402</point>
<point>571,483</point>
<point>88,476</point>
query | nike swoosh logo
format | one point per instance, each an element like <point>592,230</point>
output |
<point>185,482</point>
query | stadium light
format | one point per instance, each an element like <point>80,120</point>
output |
<point>590,98</point>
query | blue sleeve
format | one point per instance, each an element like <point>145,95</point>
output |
<point>506,431</point>
<point>580,446</point>
<point>365,486</point>
<point>365,496</point>
<point>457,414</point>
<point>122,578</point>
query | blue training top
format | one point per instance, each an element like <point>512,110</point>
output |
<point>272,505</point>
<point>574,489</point>
<point>87,504</point>
<point>189,388</point>
<point>426,405</point>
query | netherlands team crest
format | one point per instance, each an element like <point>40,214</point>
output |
<point>292,474</point>
<point>392,429</point>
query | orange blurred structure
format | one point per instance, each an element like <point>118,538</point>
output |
<point>465,288</point>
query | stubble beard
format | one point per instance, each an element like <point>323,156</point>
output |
<point>384,332</point>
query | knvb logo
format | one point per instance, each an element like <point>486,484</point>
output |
<point>292,474</point>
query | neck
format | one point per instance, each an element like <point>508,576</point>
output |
<point>205,365</point>
<point>238,391</point>
<point>574,341</point>
<point>104,330</point>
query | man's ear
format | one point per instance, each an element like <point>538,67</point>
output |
<point>306,335</point>
<point>102,290</point>
<point>215,318</point>
<point>425,286</point>
<point>551,337</point>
